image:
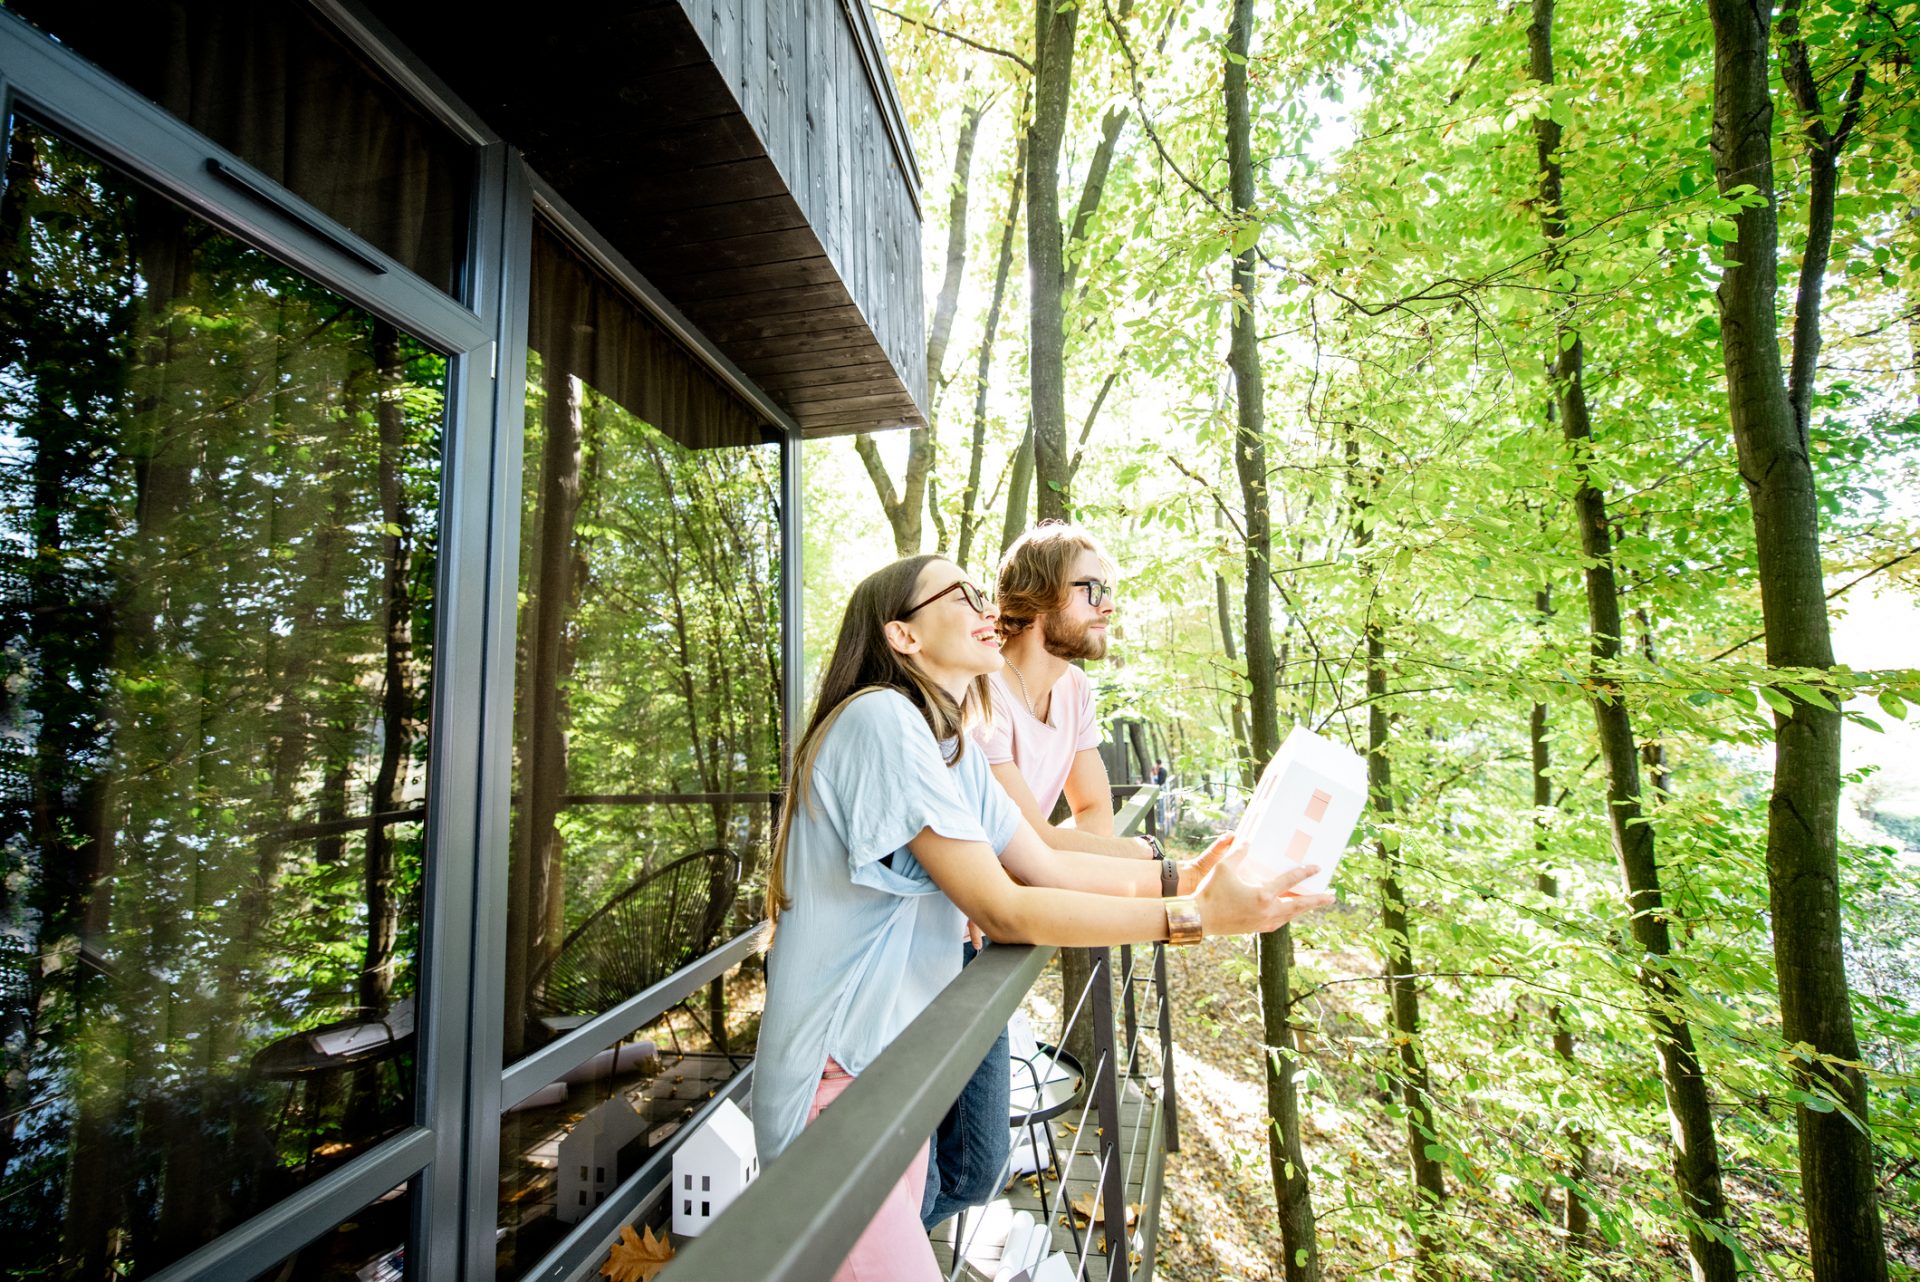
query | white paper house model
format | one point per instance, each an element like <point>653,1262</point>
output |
<point>715,1164</point>
<point>590,1158</point>
<point>1305,809</point>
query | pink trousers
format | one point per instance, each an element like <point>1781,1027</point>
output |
<point>894,1248</point>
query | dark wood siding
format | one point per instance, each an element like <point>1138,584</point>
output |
<point>748,156</point>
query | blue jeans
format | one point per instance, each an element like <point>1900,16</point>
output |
<point>970,1148</point>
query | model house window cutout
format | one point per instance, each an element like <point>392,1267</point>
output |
<point>722,1154</point>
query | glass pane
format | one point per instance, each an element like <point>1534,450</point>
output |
<point>218,496</point>
<point>647,691</point>
<point>566,1147</point>
<point>369,1247</point>
<point>277,86</point>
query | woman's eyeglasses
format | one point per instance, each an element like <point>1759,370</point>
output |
<point>1098,590</point>
<point>977,601</point>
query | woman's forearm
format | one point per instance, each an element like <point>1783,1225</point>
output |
<point>1072,918</point>
<point>1038,864</point>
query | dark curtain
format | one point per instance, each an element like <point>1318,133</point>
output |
<point>594,330</point>
<point>274,84</point>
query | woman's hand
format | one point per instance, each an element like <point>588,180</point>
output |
<point>1231,905</point>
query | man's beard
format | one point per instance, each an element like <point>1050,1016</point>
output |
<point>1065,640</point>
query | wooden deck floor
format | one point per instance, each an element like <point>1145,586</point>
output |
<point>1142,1155</point>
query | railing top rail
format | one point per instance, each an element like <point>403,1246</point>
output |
<point>811,1203</point>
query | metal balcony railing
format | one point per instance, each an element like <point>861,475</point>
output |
<point>798,1221</point>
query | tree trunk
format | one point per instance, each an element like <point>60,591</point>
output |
<point>398,715</point>
<point>1019,489</point>
<point>1403,994</point>
<point>1575,1219</point>
<point>1696,1156</point>
<point>1293,1193</point>
<point>1770,432</point>
<point>536,869</point>
<point>970,517</point>
<point>1055,30</point>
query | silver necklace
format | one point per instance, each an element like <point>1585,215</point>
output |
<point>1023,689</point>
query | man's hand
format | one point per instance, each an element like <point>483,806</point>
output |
<point>1194,872</point>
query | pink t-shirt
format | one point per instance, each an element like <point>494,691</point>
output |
<point>1043,751</point>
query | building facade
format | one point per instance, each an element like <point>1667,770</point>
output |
<point>400,424</point>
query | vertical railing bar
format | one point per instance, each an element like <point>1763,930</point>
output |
<point>1107,1095</point>
<point>1170,1109</point>
<point>1126,1001</point>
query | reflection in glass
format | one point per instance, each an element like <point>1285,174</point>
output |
<point>647,719</point>
<point>370,1246</point>
<point>276,85</point>
<point>218,497</point>
<point>569,1146</point>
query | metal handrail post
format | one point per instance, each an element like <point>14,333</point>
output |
<point>1169,1105</point>
<point>1106,1087</point>
<point>1130,1015</point>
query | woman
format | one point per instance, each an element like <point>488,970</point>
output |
<point>895,835</point>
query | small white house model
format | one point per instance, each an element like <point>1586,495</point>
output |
<point>590,1157</point>
<point>1305,809</point>
<point>711,1168</point>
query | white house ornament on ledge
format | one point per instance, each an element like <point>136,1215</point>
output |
<point>590,1157</point>
<point>713,1166</point>
<point>1304,811</point>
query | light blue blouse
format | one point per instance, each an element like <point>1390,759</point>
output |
<point>865,946</point>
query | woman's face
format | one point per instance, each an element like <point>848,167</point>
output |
<point>951,641</point>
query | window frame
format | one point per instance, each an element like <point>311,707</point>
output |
<point>451,1154</point>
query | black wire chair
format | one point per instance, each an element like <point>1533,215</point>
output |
<point>664,920</point>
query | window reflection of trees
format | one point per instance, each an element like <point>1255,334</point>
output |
<point>218,502</point>
<point>648,662</point>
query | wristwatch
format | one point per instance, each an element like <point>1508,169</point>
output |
<point>1169,877</point>
<point>1183,920</point>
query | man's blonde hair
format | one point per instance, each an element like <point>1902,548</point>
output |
<point>1037,572</point>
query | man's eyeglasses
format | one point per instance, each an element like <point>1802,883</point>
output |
<point>1098,590</point>
<point>977,601</point>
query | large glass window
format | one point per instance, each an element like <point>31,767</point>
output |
<point>647,688</point>
<point>219,487</point>
<point>277,86</point>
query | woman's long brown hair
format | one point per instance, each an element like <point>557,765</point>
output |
<point>863,660</point>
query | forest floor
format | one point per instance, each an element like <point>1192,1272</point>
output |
<point>1217,1220</point>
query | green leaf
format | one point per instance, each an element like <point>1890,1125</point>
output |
<point>1725,230</point>
<point>1893,705</point>
<point>1775,700</point>
<point>1807,694</point>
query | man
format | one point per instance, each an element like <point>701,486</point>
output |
<point>1055,595</point>
<point>1056,599</point>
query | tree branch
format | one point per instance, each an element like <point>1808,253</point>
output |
<point>968,41</point>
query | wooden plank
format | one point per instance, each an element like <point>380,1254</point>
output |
<point>766,300</point>
<point>768,367</point>
<point>848,405</point>
<point>887,389</point>
<point>876,366</point>
<point>752,327</point>
<point>815,269</point>
<point>776,121</point>
<point>735,251</point>
<point>724,222</point>
<point>845,196</point>
<point>725,44</point>
<point>750,77</point>
<point>832,340</point>
<point>707,185</point>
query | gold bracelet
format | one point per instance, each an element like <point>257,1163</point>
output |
<point>1183,920</point>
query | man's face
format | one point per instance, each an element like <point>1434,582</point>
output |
<point>1078,630</point>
